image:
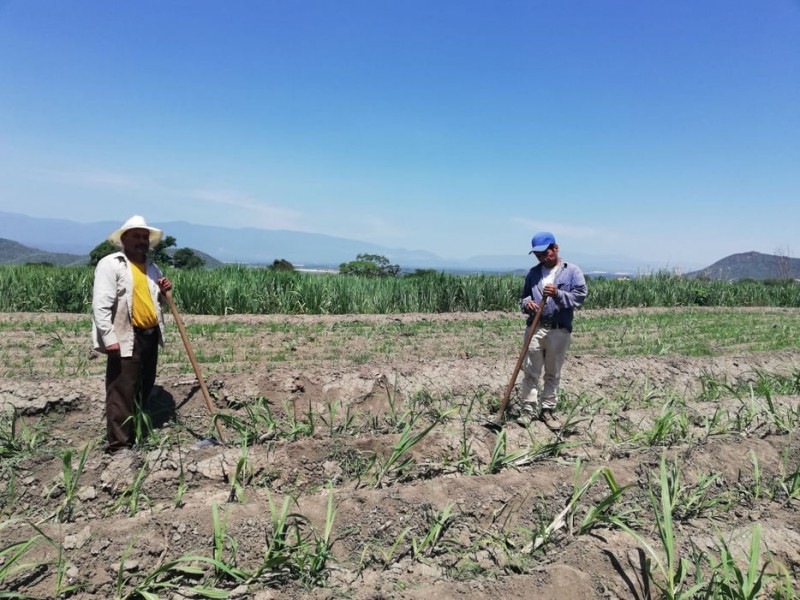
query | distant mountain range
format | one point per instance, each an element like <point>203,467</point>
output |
<point>64,242</point>
<point>261,246</point>
<point>751,265</point>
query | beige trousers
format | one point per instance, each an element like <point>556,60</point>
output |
<point>547,352</point>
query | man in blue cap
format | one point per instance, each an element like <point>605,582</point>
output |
<point>562,288</point>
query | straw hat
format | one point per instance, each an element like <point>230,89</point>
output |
<point>135,222</point>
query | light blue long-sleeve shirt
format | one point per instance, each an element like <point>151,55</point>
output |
<point>560,309</point>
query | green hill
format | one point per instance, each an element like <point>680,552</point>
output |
<point>14,253</point>
<point>751,265</point>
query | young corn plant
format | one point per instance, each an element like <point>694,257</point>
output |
<point>181,481</point>
<point>670,427</point>
<point>746,419</point>
<point>17,437</point>
<point>12,559</point>
<point>224,568</point>
<point>438,407</point>
<point>672,576</point>
<point>392,401</point>
<point>398,462</point>
<point>465,459</point>
<point>132,495</point>
<point>539,536</point>
<point>278,562</point>
<point>63,589</point>
<point>294,549</point>
<point>754,490</point>
<point>732,581</point>
<point>571,421</point>
<point>338,426</point>
<point>70,480</point>
<point>257,426</point>
<point>320,550</point>
<point>784,422</point>
<point>439,524</point>
<point>500,458</point>
<point>716,424</point>
<point>242,476</point>
<point>599,513</point>
<point>786,483</point>
<point>596,514</point>
<point>711,387</point>
<point>517,547</point>
<point>142,424</point>
<point>299,427</point>
<point>175,576</point>
<point>699,499</point>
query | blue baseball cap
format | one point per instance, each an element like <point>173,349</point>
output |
<point>542,241</point>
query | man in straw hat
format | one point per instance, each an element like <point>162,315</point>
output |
<point>128,324</point>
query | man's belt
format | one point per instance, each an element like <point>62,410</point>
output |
<point>548,324</point>
<point>148,331</point>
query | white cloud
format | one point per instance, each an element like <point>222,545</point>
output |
<point>371,228</point>
<point>257,213</point>
<point>251,210</point>
<point>569,230</point>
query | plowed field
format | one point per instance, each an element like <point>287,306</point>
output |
<point>367,472</point>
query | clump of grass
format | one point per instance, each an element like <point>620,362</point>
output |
<point>257,425</point>
<point>16,436</point>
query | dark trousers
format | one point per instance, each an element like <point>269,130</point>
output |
<point>126,379</point>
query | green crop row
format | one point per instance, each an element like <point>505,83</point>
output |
<point>238,289</point>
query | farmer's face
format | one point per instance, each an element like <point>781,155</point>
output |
<point>136,243</point>
<point>548,258</point>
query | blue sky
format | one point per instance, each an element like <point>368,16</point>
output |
<point>666,131</point>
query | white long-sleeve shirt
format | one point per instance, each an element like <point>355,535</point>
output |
<point>112,303</point>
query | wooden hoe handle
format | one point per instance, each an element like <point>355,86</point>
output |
<point>188,345</point>
<point>518,366</point>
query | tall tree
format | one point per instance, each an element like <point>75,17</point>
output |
<point>281,264</point>
<point>102,250</point>
<point>159,254</point>
<point>370,265</point>
<point>186,258</point>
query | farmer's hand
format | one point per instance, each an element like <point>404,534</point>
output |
<point>550,291</point>
<point>164,285</point>
<point>531,306</point>
<point>112,349</point>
